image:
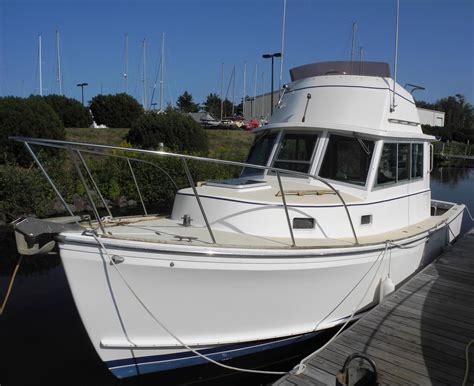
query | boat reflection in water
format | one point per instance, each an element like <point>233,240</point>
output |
<point>331,211</point>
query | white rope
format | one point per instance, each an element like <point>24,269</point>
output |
<point>466,373</point>
<point>169,331</point>
<point>300,367</point>
<point>469,213</point>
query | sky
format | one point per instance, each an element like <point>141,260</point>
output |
<point>436,43</point>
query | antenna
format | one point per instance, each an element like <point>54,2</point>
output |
<point>282,47</point>
<point>125,71</point>
<point>392,108</point>
<point>58,61</point>
<point>40,67</point>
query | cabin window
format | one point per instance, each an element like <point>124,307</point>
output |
<point>387,172</point>
<point>400,162</point>
<point>416,160</point>
<point>295,152</point>
<point>259,153</point>
<point>403,161</point>
<point>347,159</point>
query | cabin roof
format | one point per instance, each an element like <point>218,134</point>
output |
<point>380,69</point>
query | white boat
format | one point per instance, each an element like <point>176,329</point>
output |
<point>332,209</point>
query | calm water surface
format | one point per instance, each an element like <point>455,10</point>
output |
<point>43,342</point>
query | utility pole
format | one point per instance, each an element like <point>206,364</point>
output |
<point>272,56</point>
<point>82,85</point>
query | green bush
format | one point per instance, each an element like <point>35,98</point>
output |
<point>30,117</point>
<point>117,111</point>
<point>70,111</point>
<point>176,131</point>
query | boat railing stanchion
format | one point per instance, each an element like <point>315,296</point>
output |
<point>83,161</point>
<point>193,186</point>
<point>283,198</point>
<point>136,185</point>
<point>343,203</point>
<point>50,181</point>
<point>86,188</point>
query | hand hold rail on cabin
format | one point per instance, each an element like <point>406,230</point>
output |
<point>105,150</point>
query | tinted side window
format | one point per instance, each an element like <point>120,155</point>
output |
<point>403,161</point>
<point>347,159</point>
<point>416,160</point>
<point>387,172</point>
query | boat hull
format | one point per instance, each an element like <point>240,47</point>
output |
<point>225,304</point>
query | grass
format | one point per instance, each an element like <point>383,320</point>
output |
<point>101,136</point>
<point>223,144</point>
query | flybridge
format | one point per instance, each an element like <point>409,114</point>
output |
<point>379,69</point>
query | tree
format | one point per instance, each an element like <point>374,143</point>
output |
<point>30,117</point>
<point>213,105</point>
<point>70,111</point>
<point>185,103</point>
<point>119,110</point>
<point>175,130</point>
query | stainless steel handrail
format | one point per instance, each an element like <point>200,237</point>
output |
<point>85,147</point>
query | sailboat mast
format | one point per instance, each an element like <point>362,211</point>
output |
<point>40,67</point>
<point>162,67</point>
<point>254,102</point>
<point>144,76</point>
<point>58,61</point>
<point>125,71</point>
<point>353,41</point>
<point>245,84</point>
<point>233,89</point>
<point>222,90</point>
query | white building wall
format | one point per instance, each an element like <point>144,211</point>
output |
<point>431,117</point>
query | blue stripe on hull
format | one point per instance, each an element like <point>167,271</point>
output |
<point>130,367</point>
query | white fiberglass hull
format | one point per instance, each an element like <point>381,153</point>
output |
<point>225,301</point>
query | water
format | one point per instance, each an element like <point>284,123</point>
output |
<point>43,342</point>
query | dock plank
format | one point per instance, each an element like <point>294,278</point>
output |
<point>417,335</point>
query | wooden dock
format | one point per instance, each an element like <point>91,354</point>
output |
<point>417,335</point>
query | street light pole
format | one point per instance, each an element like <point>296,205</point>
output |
<point>272,56</point>
<point>82,85</point>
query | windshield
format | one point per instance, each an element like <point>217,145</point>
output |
<point>259,153</point>
<point>295,152</point>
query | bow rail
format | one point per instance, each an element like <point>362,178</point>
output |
<point>77,148</point>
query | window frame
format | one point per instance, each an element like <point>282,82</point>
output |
<point>279,143</point>
<point>377,186</point>
<point>363,137</point>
